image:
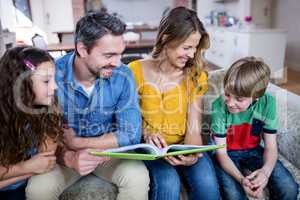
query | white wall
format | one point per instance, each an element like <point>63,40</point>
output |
<point>48,16</point>
<point>286,15</point>
<point>138,10</point>
<point>238,8</point>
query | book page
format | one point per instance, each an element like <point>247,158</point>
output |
<point>148,148</point>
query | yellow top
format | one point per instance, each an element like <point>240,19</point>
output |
<point>166,112</point>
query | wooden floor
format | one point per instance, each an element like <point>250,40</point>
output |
<point>293,81</point>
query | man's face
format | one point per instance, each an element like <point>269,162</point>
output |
<point>105,55</point>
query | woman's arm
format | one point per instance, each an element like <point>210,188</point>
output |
<point>192,135</point>
<point>194,123</point>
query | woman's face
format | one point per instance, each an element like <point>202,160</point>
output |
<point>179,55</point>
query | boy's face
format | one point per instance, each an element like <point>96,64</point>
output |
<point>236,104</point>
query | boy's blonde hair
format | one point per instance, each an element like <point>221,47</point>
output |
<point>247,77</point>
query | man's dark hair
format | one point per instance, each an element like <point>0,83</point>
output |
<point>95,25</point>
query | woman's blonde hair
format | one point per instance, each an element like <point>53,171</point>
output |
<point>247,77</point>
<point>175,27</point>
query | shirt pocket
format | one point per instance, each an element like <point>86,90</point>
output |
<point>257,127</point>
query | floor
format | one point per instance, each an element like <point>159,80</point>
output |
<point>293,81</point>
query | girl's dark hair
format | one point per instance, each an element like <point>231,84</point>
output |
<point>175,27</point>
<point>21,131</point>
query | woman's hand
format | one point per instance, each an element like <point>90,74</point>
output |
<point>187,160</point>
<point>155,139</point>
<point>40,163</point>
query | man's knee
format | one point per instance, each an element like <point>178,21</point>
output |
<point>133,174</point>
<point>41,186</point>
<point>45,186</point>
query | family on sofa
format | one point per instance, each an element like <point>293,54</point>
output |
<point>53,113</point>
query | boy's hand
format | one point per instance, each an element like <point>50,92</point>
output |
<point>259,179</point>
<point>155,139</point>
<point>40,163</point>
<point>250,188</point>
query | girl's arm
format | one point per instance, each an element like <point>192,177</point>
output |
<point>40,163</point>
<point>10,181</point>
<point>13,171</point>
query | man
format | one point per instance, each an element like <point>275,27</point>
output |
<point>99,101</point>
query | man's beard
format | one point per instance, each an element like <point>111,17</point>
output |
<point>103,72</point>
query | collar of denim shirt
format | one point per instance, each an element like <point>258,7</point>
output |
<point>69,76</point>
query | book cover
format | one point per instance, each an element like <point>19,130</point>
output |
<point>150,152</point>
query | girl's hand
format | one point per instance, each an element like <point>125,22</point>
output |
<point>155,139</point>
<point>40,163</point>
<point>187,160</point>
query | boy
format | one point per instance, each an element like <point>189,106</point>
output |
<point>240,119</point>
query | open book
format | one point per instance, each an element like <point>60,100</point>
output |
<point>151,152</point>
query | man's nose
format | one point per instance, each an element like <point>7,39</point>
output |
<point>115,61</point>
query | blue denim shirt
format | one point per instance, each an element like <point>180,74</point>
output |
<point>112,107</point>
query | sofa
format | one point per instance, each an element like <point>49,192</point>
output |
<point>91,187</point>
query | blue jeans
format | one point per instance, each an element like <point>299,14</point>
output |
<point>16,194</point>
<point>281,184</point>
<point>200,179</point>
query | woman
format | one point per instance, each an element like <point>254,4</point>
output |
<point>170,85</point>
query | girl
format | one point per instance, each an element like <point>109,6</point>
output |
<point>30,123</point>
<point>171,84</point>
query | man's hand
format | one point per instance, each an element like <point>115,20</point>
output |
<point>70,139</point>
<point>40,163</point>
<point>84,163</point>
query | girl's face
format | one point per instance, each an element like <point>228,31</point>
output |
<point>236,104</point>
<point>186,50</point>
<point>43,83</point>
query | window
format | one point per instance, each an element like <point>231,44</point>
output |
<point>23,12</point>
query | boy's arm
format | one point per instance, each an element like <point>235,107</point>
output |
<point>226,162</point>
<point>270,153</point>
<point>261,176</point>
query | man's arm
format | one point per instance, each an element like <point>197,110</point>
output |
<point>80,160</point>
<point>74,142</point>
